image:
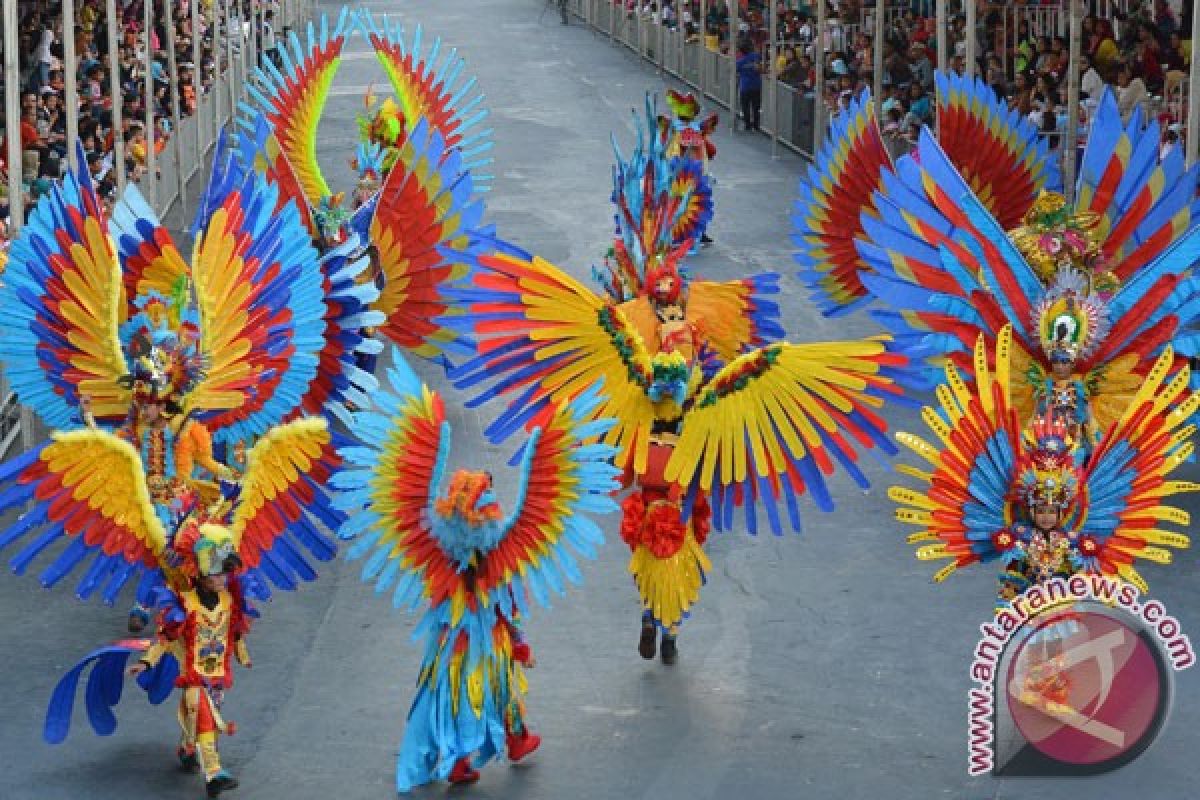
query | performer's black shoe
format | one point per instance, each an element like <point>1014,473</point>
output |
<point>705,239</point>
<point>223,781</point>
<point>188,762</point>
<point>648,640</point>
<point>668,650</point>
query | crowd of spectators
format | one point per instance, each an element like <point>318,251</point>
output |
<point>1138,49</point>
<point>43,122</point>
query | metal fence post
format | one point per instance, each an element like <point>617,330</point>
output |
<point>150,178</point>
<point>173,95</point>
<point>819,79</point>
<point>70,84</point>
<point>12,116</point>
<point>1070,141</point>
<point>118,97</point>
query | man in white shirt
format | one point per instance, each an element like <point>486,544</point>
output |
<point>1091,84</point>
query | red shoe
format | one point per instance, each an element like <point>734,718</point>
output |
<point>462,772</point>
<point>521,746</point>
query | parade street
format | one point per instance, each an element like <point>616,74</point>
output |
<point>820,666</point>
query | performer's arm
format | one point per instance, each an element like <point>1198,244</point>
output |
<point>522,653</point>
<point>201,444</point>
<point>164,642</point>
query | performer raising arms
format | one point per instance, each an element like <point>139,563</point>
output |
<point>475,565</point>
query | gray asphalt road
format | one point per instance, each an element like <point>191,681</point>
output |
<point>817,666</point>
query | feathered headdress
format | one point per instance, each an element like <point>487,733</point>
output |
<point>1071,321</point>
<point>161,343</point>
<point>468,518</point>
<point>1047,474</point>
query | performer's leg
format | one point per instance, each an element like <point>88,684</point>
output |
<point>648,641</point>
<point>668,649</point>
<point>216,779</point>
<point>189,761</point>
<point>519,741</point>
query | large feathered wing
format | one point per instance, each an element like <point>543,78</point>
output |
<point>88,488</point>
<point>425,208</point>
<point>428,87</point>
<point>150,259</point>
<point>732,316</point>
<point>63,303</point>
<point>386,484</point>
<point>964,492</point>
<point>284,504</point>
<point>393,473</point>
<point>772,423</point>
<point>999,152</point>
<point>1143,202</point>
<point>293,99</point>
<point>1128,479</point>
<point>258,287</point>
<point>563,480</point>
<point>837,191</point>
<point>544,339</point>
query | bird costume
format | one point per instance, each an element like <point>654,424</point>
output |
<point>990,475</point>
<point>718,415</point>
<point>143,365</point>
<point>426,177</point>
<point>447,543</point>
<point>687,138</point>
<point>663,204</point>
<point>1094,293</point>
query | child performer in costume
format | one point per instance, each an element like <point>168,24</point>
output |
<point>107,321</point>
<point>204,630</point>
<point>998,493</point>
<point>475,565</point>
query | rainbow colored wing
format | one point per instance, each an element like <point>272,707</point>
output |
<point>949,272</point>
<point>62,301</point>
<point>259,291</point>
<point>693,189</point>
<point>86,488</point>
<point>1127,479</point>
<point>835,195</point>
<point>386,485</point>
<point>424,209</point>
<point>733,316</point>
<point>963,499</point>
<point>563,481</point>
<point>546,339</point>
<point>943,265</point>
<point>150,261</point>
<point>294,99</point>
<point>427,88</point>
<point>259,150</point>
<point>284,505</point>
<point>392,476</point>
<point>998,152</point>
<point>1144,204</point>
<point>769,426</point>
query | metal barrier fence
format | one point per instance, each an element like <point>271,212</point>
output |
<point>787,113</point>
<point>191,139</point>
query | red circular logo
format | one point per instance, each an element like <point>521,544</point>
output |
<point>1084,688</point>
